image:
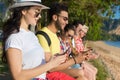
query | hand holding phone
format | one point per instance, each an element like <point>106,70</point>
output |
<point>58,54</point>
<point>87,51</point>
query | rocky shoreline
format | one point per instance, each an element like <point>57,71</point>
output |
<point>110,56</point>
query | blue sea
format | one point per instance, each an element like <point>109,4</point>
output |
<point>113,43</point>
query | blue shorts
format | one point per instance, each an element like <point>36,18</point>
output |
<point>76,66</point>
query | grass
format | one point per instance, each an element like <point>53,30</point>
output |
<point>102,72</point>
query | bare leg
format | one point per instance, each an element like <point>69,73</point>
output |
<point>90,71</point>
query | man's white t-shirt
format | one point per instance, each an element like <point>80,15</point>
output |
<point>32,52</point>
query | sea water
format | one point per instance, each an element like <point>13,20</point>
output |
<point>113,43</point>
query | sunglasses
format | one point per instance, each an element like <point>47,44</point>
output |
<point>37,14</point>
<point>70,36</point>
<point>64,18</point>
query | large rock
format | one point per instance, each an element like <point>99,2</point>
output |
<point>116,31</point>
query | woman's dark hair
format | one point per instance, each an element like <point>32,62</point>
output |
<point>77,22</point>
<point>11,26</point>
<point>55,9</point>
<point>69,27</point>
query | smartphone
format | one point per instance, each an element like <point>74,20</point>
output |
<point>84,52</point>
<point>57,54</point>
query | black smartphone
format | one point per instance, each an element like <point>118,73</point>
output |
<point>57,54</point>
<point>85,52</point>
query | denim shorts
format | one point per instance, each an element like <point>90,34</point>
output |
<point>76,66</point>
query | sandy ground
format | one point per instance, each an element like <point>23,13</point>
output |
<point>110,56</point>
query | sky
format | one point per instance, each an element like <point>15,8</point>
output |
<point>117,15</point>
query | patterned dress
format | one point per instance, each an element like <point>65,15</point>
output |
<point>79,44</point>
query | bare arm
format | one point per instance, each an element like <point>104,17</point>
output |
<point>48,56</point>
<point>63,66</point>
<point>69,63</point>
<point>14,57</point>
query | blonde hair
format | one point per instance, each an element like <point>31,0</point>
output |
<point>84,27</point>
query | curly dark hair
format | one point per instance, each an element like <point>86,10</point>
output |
<point>55,9</point>
<point>77,22</point>
<point>69,27</point>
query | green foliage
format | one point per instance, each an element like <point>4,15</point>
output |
<point>3,67</point>
<point>1,21</point>
<point>102,73</point>
<point>8,2</point>
<point>90,12</point>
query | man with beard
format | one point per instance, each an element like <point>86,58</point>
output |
<point>58,18</point>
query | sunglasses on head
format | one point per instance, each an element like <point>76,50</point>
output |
<point>84,32</point>
<point>64,18</point>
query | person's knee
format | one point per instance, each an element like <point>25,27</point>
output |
<point>95,70</point>
<point>81,78</point>
<point>80,72</point>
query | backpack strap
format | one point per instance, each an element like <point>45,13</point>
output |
<point>45,35</point>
